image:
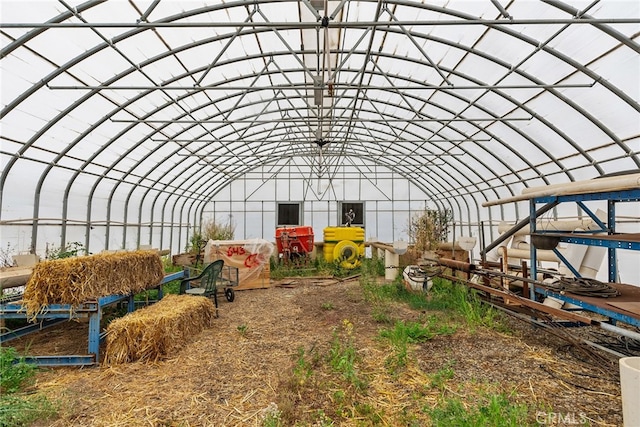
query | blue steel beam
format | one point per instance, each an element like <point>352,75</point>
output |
<point>615,316</point>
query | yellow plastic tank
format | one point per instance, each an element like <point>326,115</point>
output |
<point>345,244</point>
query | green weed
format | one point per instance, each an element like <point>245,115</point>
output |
<point>69,250</point>
<point>492,410</point>
<point>439,379</point>
<point>303,368</point>
<point>272,416</point>
<point>343,355</point>
<point>14,371</point>
<point>18,409</point>
<point>404,333</point>
<point>23,410</point>
<point>327,306</point>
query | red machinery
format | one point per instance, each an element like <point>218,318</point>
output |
<point>294,243</point>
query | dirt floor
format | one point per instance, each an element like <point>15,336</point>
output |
<point>248,366</point>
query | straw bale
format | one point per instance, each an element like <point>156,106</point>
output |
<point>76,280</point>
<point>153,332</point>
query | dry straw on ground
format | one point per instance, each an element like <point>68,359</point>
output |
<point>76,280</point>
<point>151,333</point>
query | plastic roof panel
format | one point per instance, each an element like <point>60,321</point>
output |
<point>172,107</point>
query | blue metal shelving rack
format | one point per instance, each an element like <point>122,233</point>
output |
<point>612,240</point>
<point>56,313</point>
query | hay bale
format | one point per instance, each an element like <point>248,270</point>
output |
<point>79,279</point>
<point>154,332</point>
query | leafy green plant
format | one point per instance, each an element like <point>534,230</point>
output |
<point>213,230</point>
<point>17,409</point>
<point>23,410</point>
<point>14,371</point>
<point>404,333</point>
<point>343,355</point>
<point>493,410</point>
<point>381,314</point>
<point>69,250</point>
<point>327,306</point>
<point>372,267</point>
<point>439,379</point>
<point>302,370</point>
<point>322,419</point>
<point>243,329</point>
<point>465,302</point>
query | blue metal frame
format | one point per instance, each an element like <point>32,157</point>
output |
<point>612,197</point>
<point>614,316</point>
<point>56,313</point>
<point>613,242</point>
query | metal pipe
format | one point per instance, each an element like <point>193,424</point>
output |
<point>279,141</point>
<point>312,25</point>
<point>546,326</point>
<point>321,85</point>
<point>335,119</point>
<point>517,227</point>
<point>620,331</point>
<point>458,265</point>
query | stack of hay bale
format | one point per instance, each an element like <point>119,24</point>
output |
<point>156,331</point>
<point>79,279</point>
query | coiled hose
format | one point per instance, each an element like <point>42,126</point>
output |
<point>584,286</point>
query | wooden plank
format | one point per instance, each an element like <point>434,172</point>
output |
<point>15,276</point>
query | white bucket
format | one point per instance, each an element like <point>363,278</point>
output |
<point>416,279</point>
<point>553,302</point>
<point>630,387</point>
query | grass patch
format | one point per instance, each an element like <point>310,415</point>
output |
<point>404,333</point>
<point>18,408</point>
<point>455,300</point>
<point>494,410</point>
<point>343,356</point>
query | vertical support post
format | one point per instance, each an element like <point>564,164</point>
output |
<point>131,306</point>
<point>611,225</point>
<point>533,252</point>
<point>94,332</point>
<point>525,284</point>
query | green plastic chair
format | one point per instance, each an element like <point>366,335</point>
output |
<point>208,282</point>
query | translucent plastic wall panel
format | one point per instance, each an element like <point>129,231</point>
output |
<point>618,117</point>
<point>546,67</point>
<point>141,47</point>
<point>503,46</point>
<point>19,190</point>
<point>48,237</point>
<point>582,43</point>
<point>16,238</point>
<point>482,69</point>
<point>22,69</point>
<point>132,238</point>
<point>385,230</point>
<point>117,202</point>
<point>319,212</point>
<point>76,233</point>
<point>617,165</point>
<point>496,103</point>
<point>254,218</point>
